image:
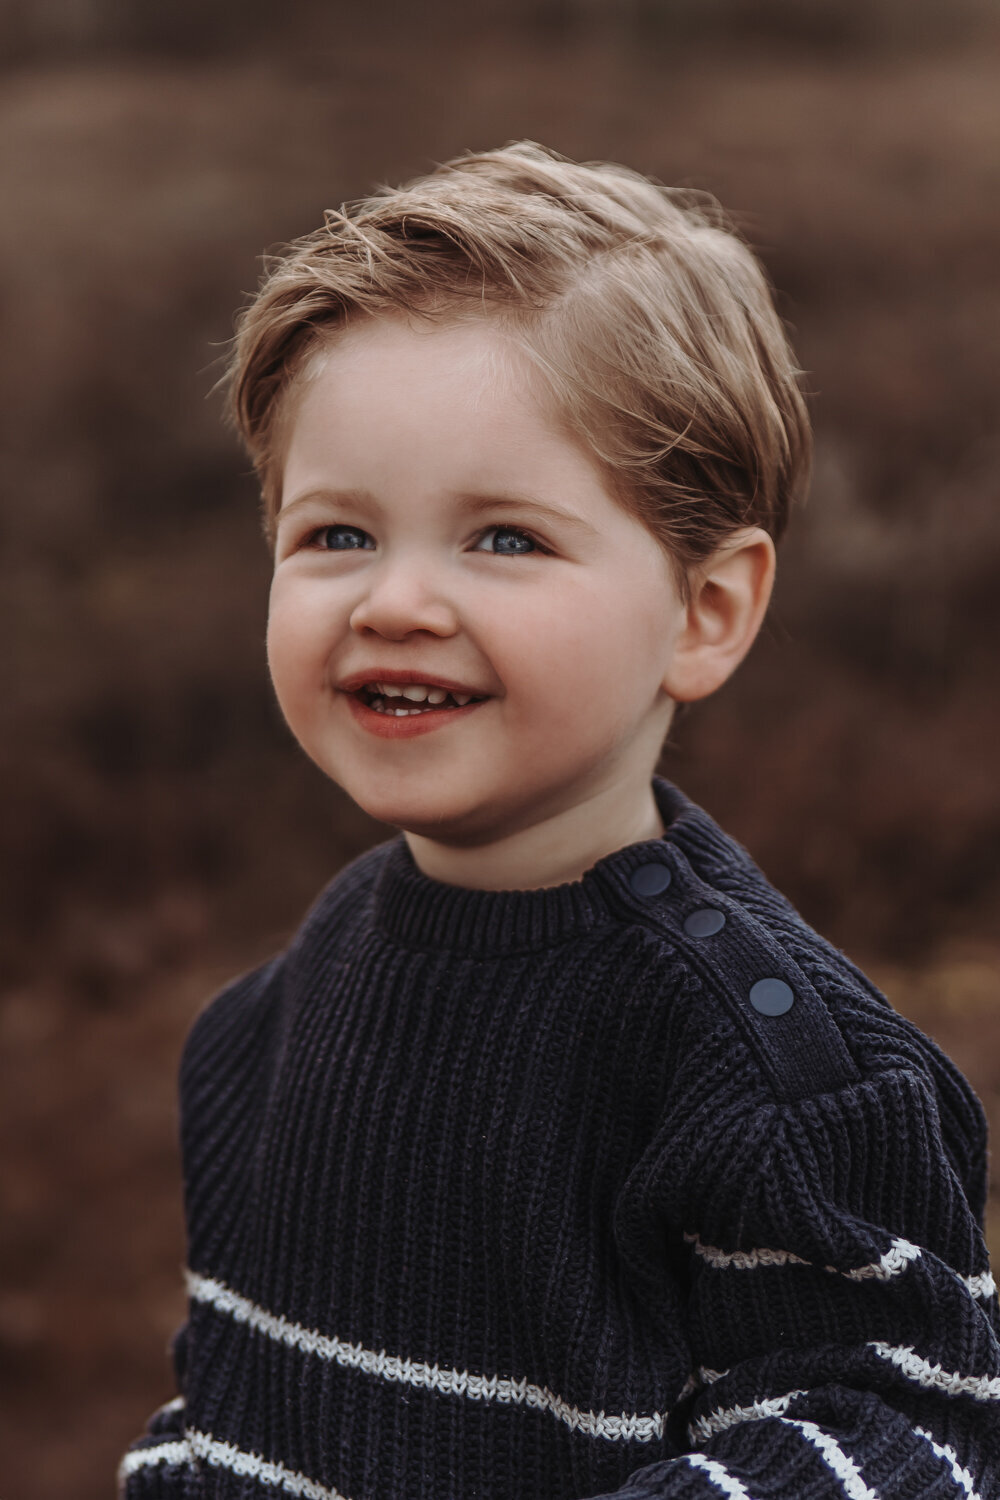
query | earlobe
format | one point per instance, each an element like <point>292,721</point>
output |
<point>729,598</point>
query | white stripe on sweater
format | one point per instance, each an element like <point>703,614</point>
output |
<point>703,1428</point>
<point>900,1254</point>
<point>201,1445</point>
<point>982,1285</point>
<point>896,1259</point>
<point>836,1459</point>
<point>623,1427</point>
<point>174,1452</point>
<point>177,1404</point>
<point>720,1476</point>
<point>915,1367</point>
<point>960,1475</point>
<point>743,1260</point>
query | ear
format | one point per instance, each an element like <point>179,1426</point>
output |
<point>730,592</point>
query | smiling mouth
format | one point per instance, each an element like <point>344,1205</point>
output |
<point>403,701</point>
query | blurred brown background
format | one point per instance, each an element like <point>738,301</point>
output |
<point>158,829</point>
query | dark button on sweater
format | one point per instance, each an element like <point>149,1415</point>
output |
<point>772,997</point>
<point>705,922</point>
<point>650,880</point>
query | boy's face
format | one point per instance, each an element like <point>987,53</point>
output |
<point>437,528</point>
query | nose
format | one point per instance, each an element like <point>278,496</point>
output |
<point>402,598</point>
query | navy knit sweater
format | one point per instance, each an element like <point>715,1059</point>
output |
<point>629,1186</point>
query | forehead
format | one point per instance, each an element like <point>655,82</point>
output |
<point>395,355</point>
<point>446,405</point>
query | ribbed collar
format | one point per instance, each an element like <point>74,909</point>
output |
<point>412,909</point>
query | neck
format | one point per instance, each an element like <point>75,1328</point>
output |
<point>559,849</point>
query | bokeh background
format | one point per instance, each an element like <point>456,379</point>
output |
<point>158,829</point>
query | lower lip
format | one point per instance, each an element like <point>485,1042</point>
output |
<point>389,727</point>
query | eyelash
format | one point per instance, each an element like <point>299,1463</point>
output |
<point>313,539</point>
<point>518,531</point>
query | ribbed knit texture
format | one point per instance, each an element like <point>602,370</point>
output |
<point>517,1196</point>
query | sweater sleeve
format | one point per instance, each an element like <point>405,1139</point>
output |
<point>154,1466</point>
<point>235,1024</point>
<point>841,1316</point>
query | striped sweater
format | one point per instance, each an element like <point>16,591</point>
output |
<point>632,1186</point>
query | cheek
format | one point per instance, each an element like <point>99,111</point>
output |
<point>587,651</point>
<point>298,634</point>
<point>624,635</point>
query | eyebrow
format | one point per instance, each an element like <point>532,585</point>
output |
<point>475,504</point>
<point>339,497</point>
<point>471,504</point>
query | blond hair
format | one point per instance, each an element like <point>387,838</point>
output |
<point>650,319</point>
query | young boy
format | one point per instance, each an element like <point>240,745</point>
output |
<point>557,1157</point>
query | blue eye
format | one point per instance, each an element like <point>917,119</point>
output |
<point>506,541</point>
<point>342,539</point>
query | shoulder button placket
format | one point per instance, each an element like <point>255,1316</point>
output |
<point>784,1018</point>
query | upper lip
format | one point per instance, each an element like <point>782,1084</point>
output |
<point>403,678</point>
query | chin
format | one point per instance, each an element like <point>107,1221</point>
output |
<point>427,813</point>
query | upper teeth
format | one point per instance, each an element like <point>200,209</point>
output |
<point>417,692</point>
